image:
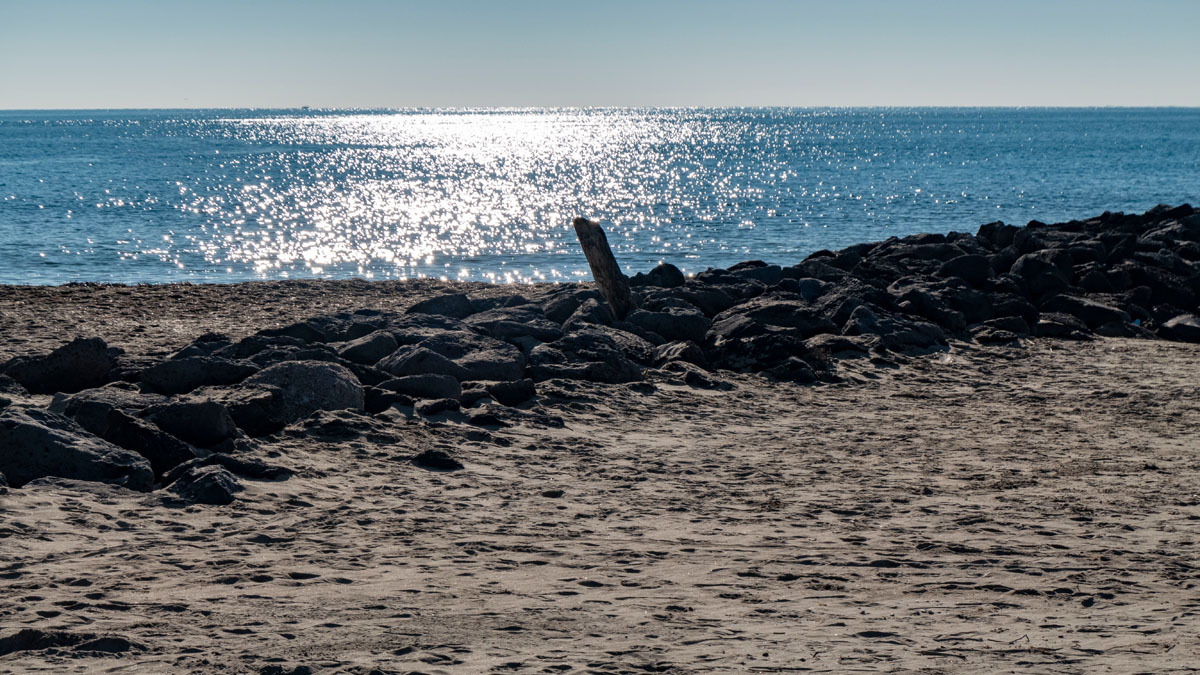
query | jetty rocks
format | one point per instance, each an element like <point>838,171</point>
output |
<point>187,425</point>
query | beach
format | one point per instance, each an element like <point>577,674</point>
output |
<point>842,475</point>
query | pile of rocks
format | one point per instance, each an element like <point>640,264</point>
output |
<point>177,424</point>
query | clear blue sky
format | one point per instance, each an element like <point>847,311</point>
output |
<point>376,53</point>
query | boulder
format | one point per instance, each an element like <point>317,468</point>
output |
<point>974,269</point>
<point>77,365</point>
<point>480,357</point>
<point>308,386</point>
<point>1043,273</point>
<point>802,318</point>
<point>213,485</point>
<point>1065,326</point>
<point>454,305</point>
<point>427,385</point>
<point>512,392</point>
<point>1091,313</point>
<point>665,275</point>
<point>896,333</point>
<point>673,324</point>
<point>37,443</point>
<point>417,360</point>
<point>182,375</point>
<point>369,349</point>
<point>686,351</point>
<point>162,450</point>
<point>203,423</point>
<point>1183,328</point>
<point>91,407</point>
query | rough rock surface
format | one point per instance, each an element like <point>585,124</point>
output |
<point>35,443</point>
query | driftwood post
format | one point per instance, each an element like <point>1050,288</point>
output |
<point>609,280</point>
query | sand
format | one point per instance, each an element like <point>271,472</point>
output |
<point>1032,508</point>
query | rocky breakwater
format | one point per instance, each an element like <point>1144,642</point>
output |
<point>188,425</point>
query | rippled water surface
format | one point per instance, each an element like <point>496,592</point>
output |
<point>225,195</point>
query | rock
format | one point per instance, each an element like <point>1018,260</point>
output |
<point>896,333</point>
<point>11,386</point>
<point>436,460</point>
<point>77,365</point>
<point>1093,314</point>
<point>809,290</point>
<point>711,301</point>
<point>1063,326</point>
<point>673,324</point>
<point>479,356</point>
<point>369,349</point>
<point>437,406</point>
<point>377,400</point>
<point>428,385</point>
<point>1183,328</point>
<point>509,324</point>
<point>36,443</point>
<point>212,485</point>
<point>305,387</point>
<point>303,331</point>
<point>161,449</point>
<point>560,307</point>
<point>758,271</point>
<point>971,268</point>
<point>590,312</point>
<point>802,319</point>
<point>511,392</point>
<point>201,422</point>
<point>182,375</point>
<point>1044,272</point>
<point>454,305</point>
<point>91,407</point>
<point>414,360</point>
<point>687,351</point>
<point>665,275</point>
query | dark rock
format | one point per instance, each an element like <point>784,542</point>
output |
<point>590,312</point>
<point>840,346</point>
<point>369,349</point>
<point>511,323</point>
<point>11,386</point>
<point>815,269</point>
<point>1183,328</point>
<point>77,365</point>
<point>161,449</point>
<point>511,392</point>
<point>91,407</point>
<point>808,289</point>
<point>1063,326</point>
<point>304,387</point>
<point>673,324</point>
<point>997,234</point>
<point>414,360</point>
<point>213,485</point>
<point>1044,272</point>
<point>767,274</point>
<point>427,385</point>
<point>454,305</point>
<point>182,375</point>
<point>896,333</point>
<point>971,268</point>
<point>1091,313</point>
<point>437,406</point>
<point>36,443</point>
<point>560,307</point>
<point>436,460</point>
<point>200,422</point>
<point>681,351</point>
<point>303,331</point>
<point>479,356</point>
<point>801,318</point>
<point>247,467</point>
<point>377,400</point>
<point>665,275</point>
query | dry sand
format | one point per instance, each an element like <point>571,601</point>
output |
<point>1032,509</point>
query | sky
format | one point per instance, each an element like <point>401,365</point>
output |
<point>390,54</point>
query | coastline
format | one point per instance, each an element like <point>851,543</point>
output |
<point>965,497</point>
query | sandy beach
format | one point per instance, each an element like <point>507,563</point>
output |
<point>991,509</point>
<point>942,453</point>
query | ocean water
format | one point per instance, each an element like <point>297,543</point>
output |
<point>481,194</point>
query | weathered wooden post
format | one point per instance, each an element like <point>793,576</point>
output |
<point>612,284</point>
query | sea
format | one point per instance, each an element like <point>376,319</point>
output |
<point>152,196</point>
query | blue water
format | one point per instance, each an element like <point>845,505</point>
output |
<point>226,195</point>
